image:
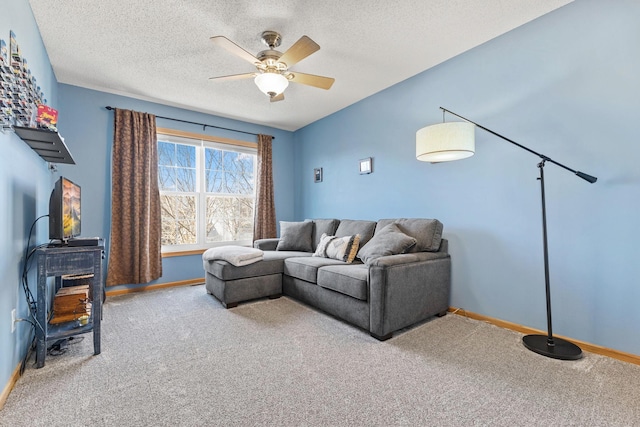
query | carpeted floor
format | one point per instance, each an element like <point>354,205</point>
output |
<point>176,357</point>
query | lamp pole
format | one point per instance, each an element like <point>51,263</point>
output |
<point>547,286</point>
<point>547,345</point>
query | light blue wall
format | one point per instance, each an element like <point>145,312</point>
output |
<point>88,129</point>
<point>25,185</point>
<point>566,85</point>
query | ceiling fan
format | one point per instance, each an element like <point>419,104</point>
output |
<point>272,75</point>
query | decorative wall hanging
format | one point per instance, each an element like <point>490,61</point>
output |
<point>366,165</point>
<point>20,95</point>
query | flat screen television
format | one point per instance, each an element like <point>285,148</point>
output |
<point>64,210</point>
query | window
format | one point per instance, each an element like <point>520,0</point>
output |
<point>207,190</point>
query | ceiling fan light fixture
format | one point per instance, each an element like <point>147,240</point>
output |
<point>271,84</point>
<point>273,74</point>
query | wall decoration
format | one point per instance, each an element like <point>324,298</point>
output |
<point>20,95</point>
<point>6,86</point>
<point>15,49</point>
<point>366,165</point>
<point>4,54</point>
<point>317,175</point>
<point>46,116</point>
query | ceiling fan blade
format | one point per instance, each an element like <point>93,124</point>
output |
<point>277,98</point>
<point>312,80</point>
<point>225,43</point>
<point>234,77</point>
<point>300,50</point>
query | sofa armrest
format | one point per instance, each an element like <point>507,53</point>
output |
<point>391,260</point>
<point>266,244</point>
<point>403,292</point>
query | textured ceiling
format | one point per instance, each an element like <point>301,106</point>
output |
<point>159,50</point>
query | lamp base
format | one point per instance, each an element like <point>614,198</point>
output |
<point>562,349</point>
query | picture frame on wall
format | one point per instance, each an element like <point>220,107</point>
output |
<point>317,175</point>
<point>366,166</point>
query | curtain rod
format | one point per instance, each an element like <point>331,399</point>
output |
<point>204,126</point>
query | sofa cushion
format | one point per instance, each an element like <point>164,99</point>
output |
<point>349,227</point>
<point>272,263</point>
<point>296,236</point>
<point>388,241</point>
<point>347,279</point>
<point>306,268</point>
<point>427,232</point>
<point>321,249</point>
<point>341,248</point>
<point>323,226</point>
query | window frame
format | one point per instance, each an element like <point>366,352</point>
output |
<point>201,142</point>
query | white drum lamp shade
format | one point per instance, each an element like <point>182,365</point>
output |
<point>445,142</point>
<point>271,84</point>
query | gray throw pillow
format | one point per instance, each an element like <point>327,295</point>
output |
<point>388,241</point>
<point>427,232</point>
<point>295,236</point>
<point>320,226</point>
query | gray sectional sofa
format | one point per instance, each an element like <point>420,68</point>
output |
<point>395,273</point>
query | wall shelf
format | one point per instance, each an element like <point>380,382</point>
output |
<point>49,145</point>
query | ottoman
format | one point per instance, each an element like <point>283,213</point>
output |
<point>231,284</point>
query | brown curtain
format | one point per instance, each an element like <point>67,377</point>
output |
<point>135,243</point>
<point>264,224</point>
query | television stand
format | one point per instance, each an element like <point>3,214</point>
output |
<point>61,261</point>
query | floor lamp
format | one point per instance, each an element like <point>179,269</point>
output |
<point>456,140</point>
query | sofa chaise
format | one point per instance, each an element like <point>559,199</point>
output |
<point>380,276</point>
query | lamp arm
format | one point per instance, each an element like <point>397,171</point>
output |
<point>582,175</point>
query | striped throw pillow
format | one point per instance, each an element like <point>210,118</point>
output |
<point>340,248</point>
